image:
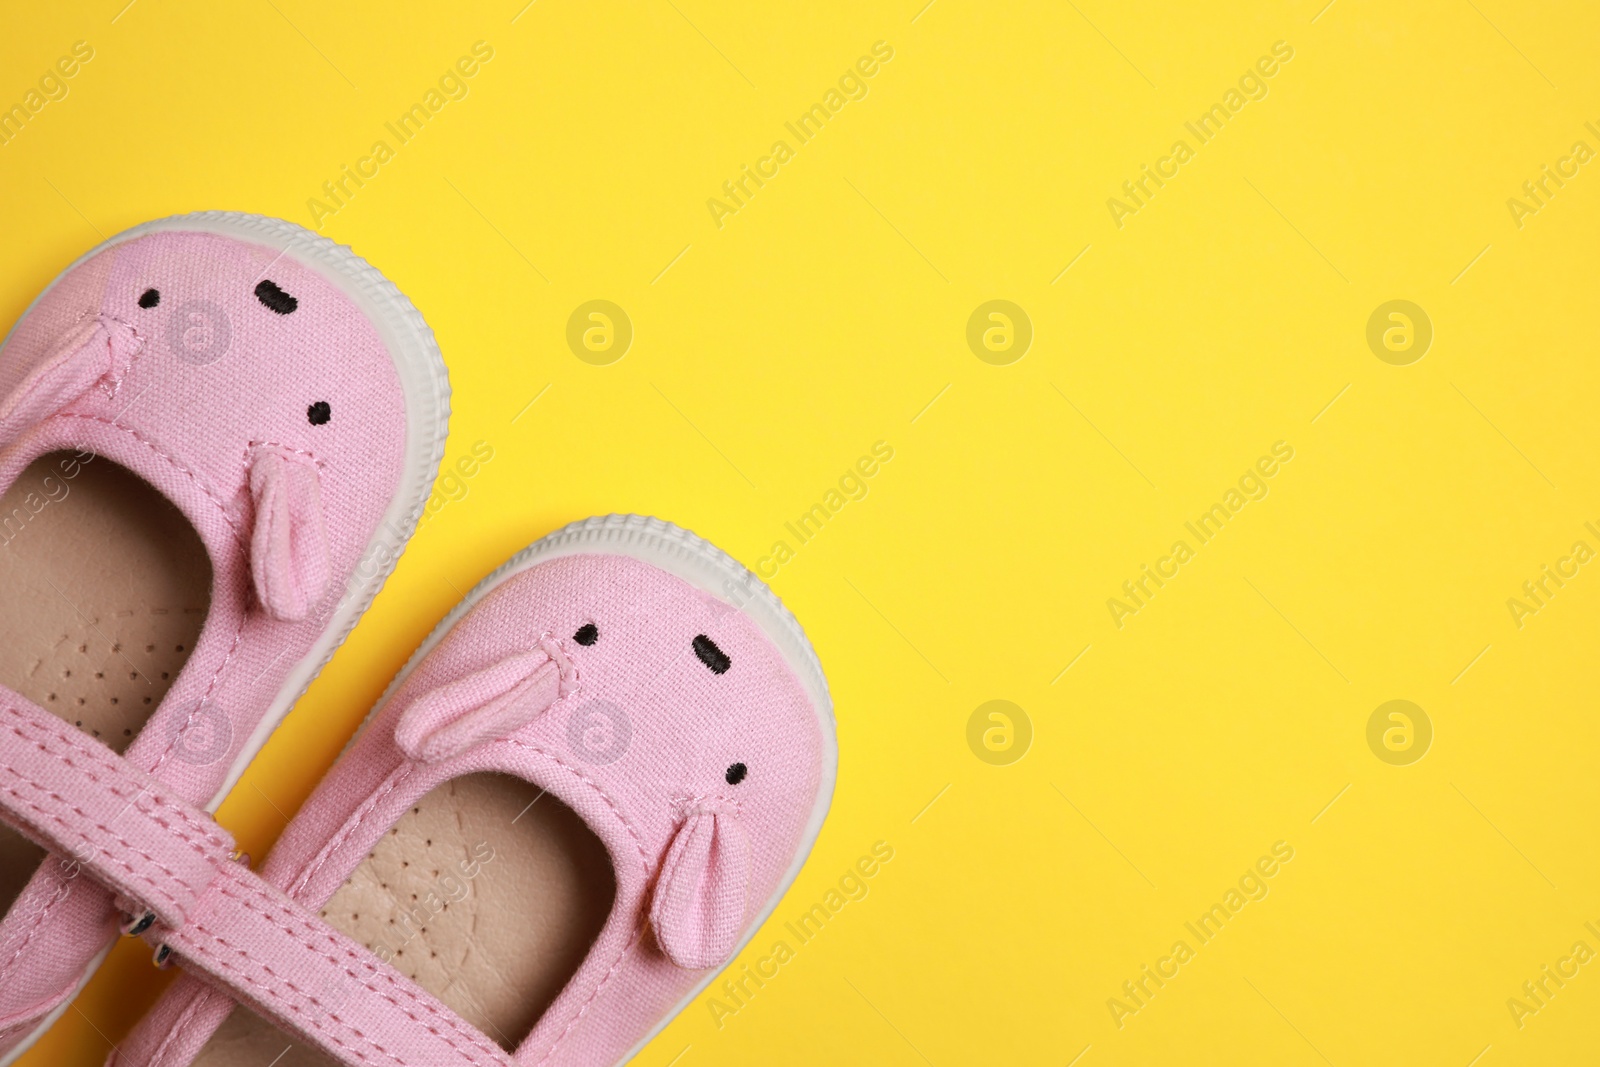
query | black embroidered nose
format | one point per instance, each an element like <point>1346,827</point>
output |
<point>587,634</point>
<point>711,655</point>
<point>736,773</point>
<point>319,413</point>
<point>150,298</point>
<point>275,299</point>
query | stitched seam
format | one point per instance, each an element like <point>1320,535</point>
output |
<point>368,806</point>
<point>74,809</point>
<point>617,963</point>
<point>36,379</point>
<point>400,775</point>
<point>79,745</point>
<point>178,1026</point>
<point>133,805</point>
<point>193,476</point>
<point>274,997</point>
<point>38,924</point>
<point>211,688</point>
<point>318,929</point>
<point>688,805</point>
<point>615,810</point>
<point>184,832</point>
<point>113,859</point>
<point>113,388</point>
<point>161,890</point>
<point>278,446</point>
<point>322,931</point>
<point>239,538</point>
<point>582,1011</point>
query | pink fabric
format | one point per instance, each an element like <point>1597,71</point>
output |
<point>172,862</point>
<point>73,795</point>
<point>172,1033</point>
<point>289,543</point>
<point>639,750</point>
<point>483,706</point>
<point>96,350</point>
<point>321,986</point>
<point>698,908</point>
<point>35,973</point>
<point>214,377</point>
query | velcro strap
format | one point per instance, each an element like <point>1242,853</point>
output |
<point>294,969</point>
<point>73,795</point>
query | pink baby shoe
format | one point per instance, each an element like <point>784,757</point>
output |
<point>217,432</point>
<point>575,804</point>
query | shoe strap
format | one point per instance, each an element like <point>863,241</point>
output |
<point>70,793</point>
<point>278,957</point>
<point>175,871</point>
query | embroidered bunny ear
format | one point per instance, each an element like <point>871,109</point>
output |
<point>96,348</point>
<point>289,545</point>
<point>698,908</point>
<point>483,706</point>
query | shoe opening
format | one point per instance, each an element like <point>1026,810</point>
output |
<point>488,893</point>
<point>104,589</point>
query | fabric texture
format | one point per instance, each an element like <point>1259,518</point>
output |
<point>638,747</point>
<point>289,539</point>
<point>483,706</point>
<point>189,393</point>
<point>173,868</point>
<point>73,795</point>
<point>698,909</point>
<point>95,351</point>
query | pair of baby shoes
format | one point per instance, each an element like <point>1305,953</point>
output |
<point>579,798</point>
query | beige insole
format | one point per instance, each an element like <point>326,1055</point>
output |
<point>104,587</point>
<point>487,893</point>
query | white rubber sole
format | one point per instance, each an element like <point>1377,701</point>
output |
<point>705,566</point>
<point>426,386</point>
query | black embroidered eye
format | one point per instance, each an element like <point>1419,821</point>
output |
<point>711,655</point>
<point>587,634</point>
<point>736,773</point>
<point>275,299</point>
<point>319,413</point>
<point>150,298</point>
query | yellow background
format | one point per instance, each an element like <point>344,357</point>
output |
<point>826,315</point>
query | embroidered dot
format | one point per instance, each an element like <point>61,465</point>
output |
<point>587,634</point>
<point>150,298</point>
<point>736,773</point>
<point>319,413</point>
<point>711,655</point>
<point>275,299</point>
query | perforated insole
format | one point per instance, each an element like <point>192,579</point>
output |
<point>104,587</point>
<point>487,893</point>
